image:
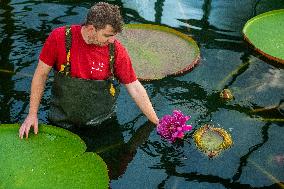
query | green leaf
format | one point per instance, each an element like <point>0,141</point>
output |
<point>158,51</point>
<point>266,33</point>
<point>54,158</point>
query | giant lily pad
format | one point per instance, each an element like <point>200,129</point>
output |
<point>212,140</point>
<point>266,33</point>
<point>54,158</point>
<point>158,51</point>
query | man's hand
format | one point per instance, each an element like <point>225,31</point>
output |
<point>37,88</point>
<point>31,120</point>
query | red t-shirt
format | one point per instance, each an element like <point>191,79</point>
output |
<point>88,61</point>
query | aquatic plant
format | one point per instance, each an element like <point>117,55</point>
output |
<point>226,94</point>
<point>173,127</point>
<point>212,140</point>
<point>159,51</point>
<point>54,158</point>
<point>265,33</point>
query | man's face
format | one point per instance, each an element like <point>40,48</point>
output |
<point>104,36</point>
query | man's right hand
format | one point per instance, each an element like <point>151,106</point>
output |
<point>37,88</point>
<point>30,121</point>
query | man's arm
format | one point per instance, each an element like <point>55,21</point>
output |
<point>139,95</point>
<point>37,88</point>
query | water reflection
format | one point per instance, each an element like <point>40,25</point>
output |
<point>7,85</point>
<point>107,140</point>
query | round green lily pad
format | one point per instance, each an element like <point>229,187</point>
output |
<point>54,158</point>
<point>266,33</point>
<point>212,140</point>
<point>158,51</point>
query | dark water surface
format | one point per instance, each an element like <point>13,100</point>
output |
<point>135,154</point>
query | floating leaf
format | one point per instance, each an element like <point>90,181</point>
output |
<point>266,33</point>
<point>158,51</point>
<point>54,158</point>
<point>212,140</point>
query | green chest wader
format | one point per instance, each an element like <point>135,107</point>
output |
<point>79,102</point>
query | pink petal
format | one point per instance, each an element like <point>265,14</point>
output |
<point>180,135</point>
<point>179,128</point>
<point>186,127</point>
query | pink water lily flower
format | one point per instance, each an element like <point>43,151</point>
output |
<point>172,127</point>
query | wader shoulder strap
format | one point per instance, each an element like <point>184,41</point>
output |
<point>111,62</point>
<point>66,68</point>
<point>111,58</point>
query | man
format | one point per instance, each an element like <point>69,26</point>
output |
<point>85,58</point>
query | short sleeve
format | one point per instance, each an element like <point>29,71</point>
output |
<point>48,53</point>
<point>123,65</point>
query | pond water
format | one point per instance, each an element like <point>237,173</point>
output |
<point>137,157</point>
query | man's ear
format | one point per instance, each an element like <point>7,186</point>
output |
<point>91,28</point>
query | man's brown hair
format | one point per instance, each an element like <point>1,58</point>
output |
<point>102,14</point>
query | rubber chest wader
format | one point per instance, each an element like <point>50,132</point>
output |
<point>79,102</point>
